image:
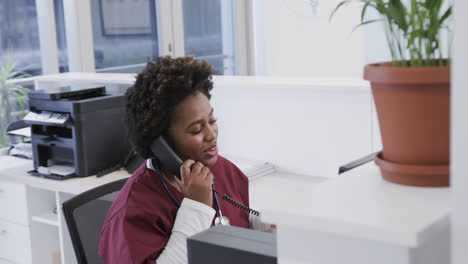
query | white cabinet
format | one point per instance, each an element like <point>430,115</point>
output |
<point>13,203</point>
<point>32,227</point>
<point>15,244</point>
<point>27,230</point>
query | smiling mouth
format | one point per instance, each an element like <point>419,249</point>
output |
<point>211,149</point>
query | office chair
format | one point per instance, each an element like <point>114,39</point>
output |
<point>85,214</point>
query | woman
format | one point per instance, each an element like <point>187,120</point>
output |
<point>155,212</point>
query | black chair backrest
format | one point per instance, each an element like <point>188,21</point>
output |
<point>85,215</point>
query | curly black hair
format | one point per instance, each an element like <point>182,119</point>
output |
<point>158,89</point>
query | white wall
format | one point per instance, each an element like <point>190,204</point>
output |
<point>291,41</point>
<point>459,138</point>
<point>307,126</point>
<point>375,40</point>
<point>303,125</point>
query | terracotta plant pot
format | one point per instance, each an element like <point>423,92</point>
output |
<point>413,107</point>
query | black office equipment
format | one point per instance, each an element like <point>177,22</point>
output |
<point>14,126</point>
<point>20,139</point>
<point>67,93</point>
<point>132,161</point>
<point>76,133</point>
<point>85,215</point>
<point>357,163</point>
<point>232,245</point>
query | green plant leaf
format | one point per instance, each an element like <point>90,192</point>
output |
<point>19,90</point>
<point>412,28</point>
<point>446,15</point>
<point>367,22</point>
<point>433,5</point>
<point>21,101</point>
<point>363,12</point>
<point>336,8</point>
<point>13,97</point>
<point>398,14</point>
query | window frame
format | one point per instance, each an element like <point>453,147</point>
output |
<point>79,34</point>
<point>47,36</point>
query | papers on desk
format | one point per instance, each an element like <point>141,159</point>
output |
<point>23,132</point>
<point>21,150</point>
<point>252,169</point>
<point>59,170</point>
<point>47,117</point>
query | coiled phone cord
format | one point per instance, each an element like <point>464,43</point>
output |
<point>236,204</point>
<point>224,196</point>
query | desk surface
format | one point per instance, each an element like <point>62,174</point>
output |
<point>15,170</point>
<point>361,204</point>
<point>357,204</point>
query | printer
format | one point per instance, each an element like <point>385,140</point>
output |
<point>76,133</point>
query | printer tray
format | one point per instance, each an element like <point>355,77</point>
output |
<point>51,176</point>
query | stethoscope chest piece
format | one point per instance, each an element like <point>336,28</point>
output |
<point>222,220</point>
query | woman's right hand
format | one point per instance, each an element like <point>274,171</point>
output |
<point>196,182</point>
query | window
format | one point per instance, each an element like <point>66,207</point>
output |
<point>129,33</point>
<point>19,37</point>
<point>61,38</point>
<point>208,33</point>
<point>124,33</point>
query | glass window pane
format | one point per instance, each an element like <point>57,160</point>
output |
<point>19,47</point>
<point>19,34</point>
<point>125,34</point>
<point>61,37</point>
<point>208,32</point>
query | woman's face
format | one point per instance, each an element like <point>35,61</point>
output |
<point>193,130</point>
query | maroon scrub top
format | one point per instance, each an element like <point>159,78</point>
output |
<point>140,220</point>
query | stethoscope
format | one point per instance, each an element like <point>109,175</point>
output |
<point>219,220</point>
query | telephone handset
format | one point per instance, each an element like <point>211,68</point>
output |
<point>166,155</point>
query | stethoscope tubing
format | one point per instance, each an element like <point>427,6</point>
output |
<point>165,186</point>
<point>175,200</point>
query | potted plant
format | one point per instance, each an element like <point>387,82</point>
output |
<point>412,92</point>
<point>13,97</point>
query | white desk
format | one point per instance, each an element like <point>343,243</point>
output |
<point>358,217</point>
<point>30,231</point>
<point>27,203</point>
<point>354,218</point>
<point>15,170</point>
<point>273,191</point>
